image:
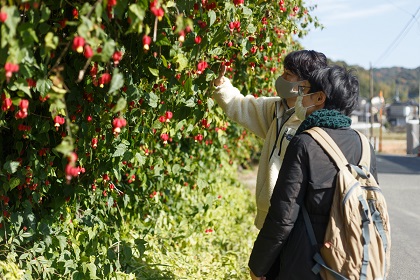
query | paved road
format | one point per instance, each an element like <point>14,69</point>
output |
<point>399,177</point>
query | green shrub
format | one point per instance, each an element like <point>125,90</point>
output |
<point>113,150</point>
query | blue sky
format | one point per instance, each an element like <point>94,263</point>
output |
<point>361,32</point>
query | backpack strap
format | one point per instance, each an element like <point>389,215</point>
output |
<point>329,145</point>
<point>317,257</point>
<point>365,159</point>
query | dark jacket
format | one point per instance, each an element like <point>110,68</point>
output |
<point>307,176</point>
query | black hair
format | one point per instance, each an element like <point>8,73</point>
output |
<point>303,62</point>
<point>340,86</point>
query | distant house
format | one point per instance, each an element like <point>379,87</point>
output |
<point>398,113</point>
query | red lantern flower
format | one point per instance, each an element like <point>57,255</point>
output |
<point>117,123</point>
<point>78,43</point>
<point>88,52</point>
<point>104,79</point>
<point>10,68</point>
<point>94,143</point>
<point>3,16</point>
<point>202,65</point>
<point>117,56</point>
<point>146,42</point>
<point>58,121</point>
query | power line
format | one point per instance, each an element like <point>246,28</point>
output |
<point>400,36</point>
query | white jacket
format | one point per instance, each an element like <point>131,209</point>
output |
<point>263,116</point>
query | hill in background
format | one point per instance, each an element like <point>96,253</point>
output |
<point>394,81</point>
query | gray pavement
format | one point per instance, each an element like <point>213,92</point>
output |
<point>399,178</point>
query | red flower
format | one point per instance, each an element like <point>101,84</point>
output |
<point>198,138</point>
<point>197,40</point>
<point>10,68</point>
<point>169,115</point>
<point>58,121</point>
<point>104,79</point>
<point>146,42</point>
<point>75,13</point>
<point>157,11</point>
<point>164,137</point>
<point>202,65</point>
<point>23,104</point>
<point>21,114</point>
<point>162,119</point>
<point>88,52</point>
<point>3,16</point>
<point>238,2</point>
<point>72,157</point>
<point>94,70</point>
<point>235,25</point>
<point>117,56</point>
<point>117,123</point>
<point>31,82</point>
<point>78,43</point>
<point>112,3</point>
<point>105,177</point>
<point>7,103</point>
<point>94,143</point>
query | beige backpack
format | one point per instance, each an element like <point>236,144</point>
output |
<point>357,242</point>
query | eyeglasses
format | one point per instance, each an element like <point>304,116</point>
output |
<point>301,89</point>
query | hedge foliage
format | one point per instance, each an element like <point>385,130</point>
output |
<point>116,163</point>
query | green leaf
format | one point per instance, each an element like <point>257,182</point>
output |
<point>66,146</point>
<point>13,183</point>
<point>120,150</point>
<point>212,16</point>
<point>216,51</point>
<point>108,50</point>
<point>246,11</point>
<point>26,234</point>
<point>121,104</point>
<point>155,72</point>
<point>182,62</point>
<point>43,86</point>
<point>176,168</point>
<point>162,40</point>
<point>13,19</point>
<point>251,28</point>
<point>19,146</point>
<point>117,174</point>
<point>117,81</point>
<point>141,160</point>
<point>51,41</point>
<point>190,102</point>
<point>92,271</point>
<point>210,103</point>
<point>153,100</point>
<point>46,12</point>
<point>11,166</point>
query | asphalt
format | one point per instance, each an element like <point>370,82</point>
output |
<point>399,178</point>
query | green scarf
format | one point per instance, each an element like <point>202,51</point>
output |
<point>324,118</point>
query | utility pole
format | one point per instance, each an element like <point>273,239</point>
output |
<point>371,106</point>
<point>381,96</point>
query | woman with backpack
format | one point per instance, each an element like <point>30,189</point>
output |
<point>308,177</point>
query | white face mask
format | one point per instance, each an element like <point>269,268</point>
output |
<point>300,110</point>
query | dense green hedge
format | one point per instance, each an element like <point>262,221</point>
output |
<point>116,162</point>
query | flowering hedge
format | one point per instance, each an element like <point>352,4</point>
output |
<point>109,134</point>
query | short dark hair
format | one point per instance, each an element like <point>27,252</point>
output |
<point>303,62</point>
<point>340,86</point>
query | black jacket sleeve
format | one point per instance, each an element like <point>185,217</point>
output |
<point>285,202</point>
